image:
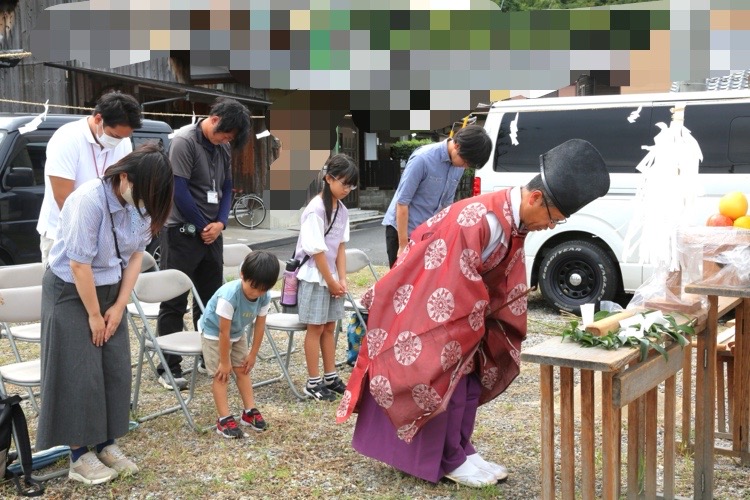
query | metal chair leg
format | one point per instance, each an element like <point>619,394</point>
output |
<point>284,365</point>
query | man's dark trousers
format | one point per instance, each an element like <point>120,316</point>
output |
<point>204,265</point>
<point>391,244</point>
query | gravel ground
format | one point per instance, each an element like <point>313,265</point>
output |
<point>305,454</point>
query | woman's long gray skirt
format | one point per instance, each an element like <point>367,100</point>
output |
<point>85,389</point>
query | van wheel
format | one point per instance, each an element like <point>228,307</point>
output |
<point>575,273</point>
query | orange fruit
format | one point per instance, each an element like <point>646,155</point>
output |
<point>733,205</point>
<point>743,222</point>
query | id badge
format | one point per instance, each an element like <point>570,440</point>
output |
<point>213,197</point>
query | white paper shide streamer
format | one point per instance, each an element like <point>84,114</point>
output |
<point>514,131</point>
<point>34,124</point>
<point>666,193</point>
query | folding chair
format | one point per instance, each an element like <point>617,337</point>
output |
<point>275,300</point>
<point>234,256</point>
<point>156,287</point>
<point>151,310</point>
<point>21,275</point>
<point>276,294</point>
<point>288,323</point>
<point>24,275</point>
<point>21,305</point>
<point>148,263</point>
<point>356,260</point>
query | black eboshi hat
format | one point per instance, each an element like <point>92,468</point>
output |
<point>574,175</point>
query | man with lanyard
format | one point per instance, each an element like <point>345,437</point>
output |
<point>191,242</point>
<point>83,150</point>
<point>429,183</point>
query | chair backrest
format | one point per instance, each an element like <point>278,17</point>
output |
<point>356,260</point>
<point>234,256</point>
<point>21,275</point>
<point>21,304</point>
<point>148,262</point>
<point>235,253</point>
<point>161,286</point>
<point>282,268</point>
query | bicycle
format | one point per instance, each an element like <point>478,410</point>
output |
<point>248,209</point>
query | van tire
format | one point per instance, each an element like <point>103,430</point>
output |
<point>577,272</point>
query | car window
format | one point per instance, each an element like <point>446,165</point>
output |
<point>608,129</point>
<point>141,140</point>
<point>30,151</point>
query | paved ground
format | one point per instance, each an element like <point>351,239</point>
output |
<point>269,238</point>
<point>259,238</point>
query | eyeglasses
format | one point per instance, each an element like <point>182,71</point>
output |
<point>350,187</point>
<point>556,222</point>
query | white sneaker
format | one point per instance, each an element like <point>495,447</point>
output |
<point>88,469</point>
<point>500,472</point>
<point>113,457</point>
<point>182,384</point>
<point>469,474</point>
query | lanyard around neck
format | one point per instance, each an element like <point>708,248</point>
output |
<point>96,165</point>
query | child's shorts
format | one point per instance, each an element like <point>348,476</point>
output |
<point>316,306</point>
<point>237,353</point>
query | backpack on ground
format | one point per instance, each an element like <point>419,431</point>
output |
<point>13,425</point>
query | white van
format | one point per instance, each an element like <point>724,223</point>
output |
<point>581,261</point>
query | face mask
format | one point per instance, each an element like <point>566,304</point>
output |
<point>128,197</point>
<point>107,141</point>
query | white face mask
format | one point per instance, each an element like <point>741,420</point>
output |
<point>107,141</point>
<point>128,197</point>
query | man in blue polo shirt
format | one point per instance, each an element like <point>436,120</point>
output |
<point>429,183</point>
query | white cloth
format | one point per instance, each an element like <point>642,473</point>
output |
<point>73,154</point>
<point>497,236</point>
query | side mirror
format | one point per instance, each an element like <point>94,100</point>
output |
<point>19,177</point>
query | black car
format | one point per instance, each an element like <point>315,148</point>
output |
<point>22,159</point>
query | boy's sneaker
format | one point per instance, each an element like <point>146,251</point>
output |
<point>113,457</point>
<point>320,392</point>
<point>254,419</point>
<point>182,383</point>
<point>88,469</point>
<point>227,427</point>
<point>337,385</point>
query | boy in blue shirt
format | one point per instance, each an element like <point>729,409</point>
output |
<point>225,348</point>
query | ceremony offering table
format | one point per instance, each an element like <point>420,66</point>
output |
<point>625,382</point>
<point>706,382</point>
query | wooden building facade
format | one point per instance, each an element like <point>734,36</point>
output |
<point>162,86</point>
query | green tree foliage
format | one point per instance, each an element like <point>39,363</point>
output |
<point>402,150</point>
<point>519,5</point>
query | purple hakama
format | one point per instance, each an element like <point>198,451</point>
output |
<point>439,447</point>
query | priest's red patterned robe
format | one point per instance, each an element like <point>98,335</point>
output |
<point>438,315</point>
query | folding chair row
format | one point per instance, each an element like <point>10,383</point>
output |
<point>21,305</point>
<point>20,276</point>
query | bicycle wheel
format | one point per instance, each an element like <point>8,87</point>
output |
<point>249,211</point>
